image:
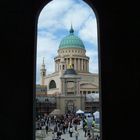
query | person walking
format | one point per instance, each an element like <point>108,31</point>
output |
<point>43,133</point>
<point>84,123</point>
<point>53,136</point>
<point>47,128</point>
<point>92,129</point>
<point>71,130</point>
<point>93,123</point>
<point>85,129</point>
<point>76,134</point>
<point>88,132</point>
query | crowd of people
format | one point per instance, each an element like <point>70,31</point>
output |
<point>67,123</point>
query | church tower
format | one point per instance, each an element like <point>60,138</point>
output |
<point>43,73</point>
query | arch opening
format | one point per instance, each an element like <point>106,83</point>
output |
<point>52,84</point>
<point>72,43</point>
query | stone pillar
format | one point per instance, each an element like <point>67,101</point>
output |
<point>65,85</point>
<point>72,59</point>
<point>82,65</point>
<point>78,64</point>
<point>78,87</point>
<point>66,63</point>
<point>75,86</point>
<point>75,67</point>
<point>87,66</point>
<point>55,66</point>
<point>62,86</point>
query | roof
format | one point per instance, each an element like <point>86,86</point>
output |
<point>70,71</point>
<point>71,41</point>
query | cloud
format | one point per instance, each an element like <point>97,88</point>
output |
<point>55,18</point>
<point>52,14</point>
<point>77,16</point>
<point>89,31</point>
<point>60,14</point>
<point>47,46</point>
<point>93,61</point>
<point>94,68</point>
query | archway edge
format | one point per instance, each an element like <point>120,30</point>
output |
<point>39,5</point>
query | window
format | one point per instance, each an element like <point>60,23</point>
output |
<point>52,84</point>
<point>43,73</point>
<point>63,67</point>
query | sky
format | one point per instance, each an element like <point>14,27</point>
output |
<point>53,25</point>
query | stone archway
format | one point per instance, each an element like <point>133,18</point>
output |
<point>70,106</point>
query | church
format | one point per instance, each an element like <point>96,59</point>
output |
<point>71,80</point>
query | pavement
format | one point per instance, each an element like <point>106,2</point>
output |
<point>41,135</point>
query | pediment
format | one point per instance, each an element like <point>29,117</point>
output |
<point>88,85</point>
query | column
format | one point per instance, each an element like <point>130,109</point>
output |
<point>78,85</point>
<point>65,85</point>
<point>62,86</point>
<point>72,59</point>
<point>55,66</point>
<point>75,86</point>
<point>66,63</point>
<point>82,64</point>
<point>78,64</point>
<point>87,66</point>
<point>75,64</point>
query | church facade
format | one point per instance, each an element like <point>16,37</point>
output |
<point>71,80</point>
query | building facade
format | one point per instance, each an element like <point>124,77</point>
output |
<point>71,80</point>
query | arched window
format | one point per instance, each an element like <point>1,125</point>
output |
<point>52,84</point>
<point>63,67</point>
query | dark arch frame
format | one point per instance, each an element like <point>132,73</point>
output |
<point>18,36</point>
<point>92,5</point>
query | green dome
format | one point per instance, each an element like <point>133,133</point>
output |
<point>71,41</point>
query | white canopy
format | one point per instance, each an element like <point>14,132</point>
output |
<point>96,114</point>
<point>56,112</point>
<point>92,97</point>
<point>79,112</point>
